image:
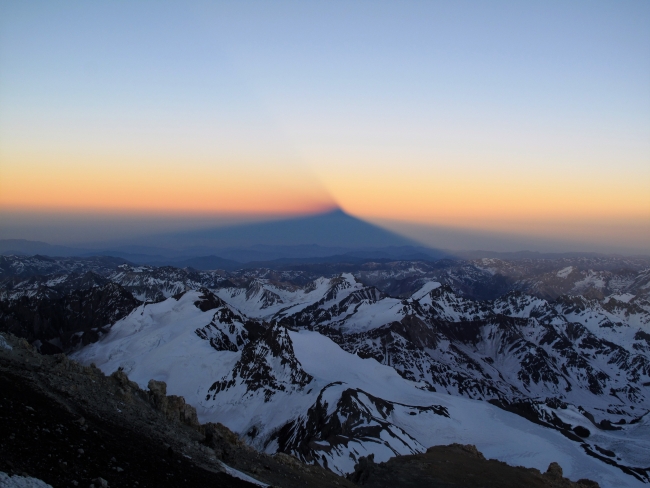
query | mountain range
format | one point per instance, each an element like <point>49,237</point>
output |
<point>531,360</point>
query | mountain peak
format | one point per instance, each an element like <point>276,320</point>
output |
<point>336,212</point>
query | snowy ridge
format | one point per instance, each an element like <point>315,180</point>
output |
<point>267,366</point>
<point>345,424</point>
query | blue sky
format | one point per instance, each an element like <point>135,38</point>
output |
<point>492,116</point>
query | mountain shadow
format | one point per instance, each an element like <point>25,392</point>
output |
<point>331,229</point>
<point>308,239</point>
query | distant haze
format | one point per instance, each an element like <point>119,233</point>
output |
<point>332,228</point>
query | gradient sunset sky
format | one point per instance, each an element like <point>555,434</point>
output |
<point>521,118</point>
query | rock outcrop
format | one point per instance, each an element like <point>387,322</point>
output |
<point>456,465</point>
<point>173,407</point>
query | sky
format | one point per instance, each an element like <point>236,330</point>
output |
<point>524,120</point>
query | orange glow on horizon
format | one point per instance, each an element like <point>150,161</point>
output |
<point>475,202</point>
<point>470,202</point>
<point>244,189</point>
<point>163,189</point>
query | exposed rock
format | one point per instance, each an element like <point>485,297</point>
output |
<point>325,432</point>
<point>456,465</point>
<point>363,469</point>
<point>469,448</point>
<point>173,407</point>
<point>554,471</point>
<point>288,460</point>
<point>62,323</point>
<point>208,301</point>
<point>222,440</point>
<point>100,483</point>
<point>123,380</point>
<point>255,367</point>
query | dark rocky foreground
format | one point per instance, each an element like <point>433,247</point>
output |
<point>43,439</point>
<point>71,425</point>
<point>64,423</point>
<point>457,466</point>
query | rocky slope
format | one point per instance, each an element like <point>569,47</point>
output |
<point>71,425</point>
<point>457,465</point>
<point>56,321</point>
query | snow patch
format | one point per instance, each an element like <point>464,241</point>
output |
<point>7,481</point>
<point>427,288</point>
<point>238,474</point>
<point>4,344</point>
<point>623,297</point>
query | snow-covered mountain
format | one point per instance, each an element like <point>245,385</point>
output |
<point>332,368</point>
<point>25,266</point>
<point>487,278</point>
<point>299,392</point>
